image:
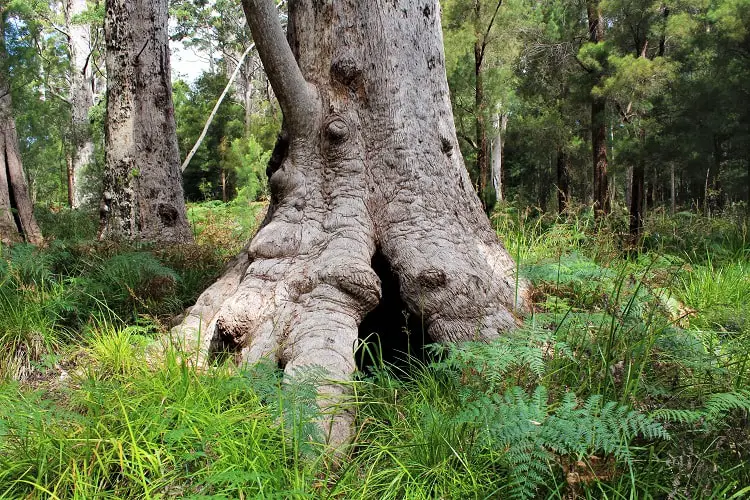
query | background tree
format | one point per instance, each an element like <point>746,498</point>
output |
<point>596,28</point>
<point>482,47</point>
<point>81,47</point>
<point>143,196</point>
<point>205,177</point>
<point>16,210</point>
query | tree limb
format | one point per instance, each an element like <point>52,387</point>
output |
<point>295,96</point>
<point>485,40</point>
<point>216,109</point>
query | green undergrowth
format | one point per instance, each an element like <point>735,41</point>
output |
<point>628,380</point>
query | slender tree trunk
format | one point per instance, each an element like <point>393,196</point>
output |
<point>598,120</point>
<point>223,185</point>
<point>17,220</point>
<point>715,192</point>
<point>143,197</point>
<point>637,195</point>
<point>483,164</point>
<point>672,190</point>
<point>215,110</point>
<point>563,180</point>
<point>70,176</point>
<point>81,97</point>
<point>498,144</point>
<point>368,164</point>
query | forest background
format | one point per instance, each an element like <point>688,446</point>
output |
<point>609,142</point>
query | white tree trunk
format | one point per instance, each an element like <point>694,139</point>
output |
<point>498,143</point>
<point>143,196</point>
<point>81,97</point>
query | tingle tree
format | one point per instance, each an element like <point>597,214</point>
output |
<point>367,166</point>
<point>143,197</point>
<point>16,212</point>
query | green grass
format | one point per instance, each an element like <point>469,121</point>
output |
<point>630,380</point>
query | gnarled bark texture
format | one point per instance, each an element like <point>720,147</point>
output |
<point>143,197</point>
<point>369,162</point>
<point>16,211</point>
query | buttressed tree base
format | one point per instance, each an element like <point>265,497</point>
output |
<point>368,163</point>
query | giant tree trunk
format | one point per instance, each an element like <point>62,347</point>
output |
<point>17,220</point>
<point>368,164</point>
<point>598,120</point>
<point>81,98</point>
<point>143,197</point>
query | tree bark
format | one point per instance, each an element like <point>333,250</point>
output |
<point>143,197</point>
<point>368,163</point>
<point>637,195</point>
<point>70,178</point>
<point>598,120</point>
<point>672,189</point>
<point>563,180</point>
<point>498,144</point>
<point>17,220</point>
<point>81,98</point>
<point>483,166</point>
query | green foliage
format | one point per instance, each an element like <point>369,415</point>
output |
<point>32,305</point>
<point>116,352</point>
<point>618,384</point>
<point>249,159</point>
<point>36,66</point>
<point>67,225</point>
<point>530,433</point>
<point>134,282</point>
<point>720,295</point>
<point>193,105</point>
<point>172,431</point>
<point>225,226</point>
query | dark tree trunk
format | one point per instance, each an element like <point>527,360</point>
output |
<point>563,180</point>
<point>598,120</point>
<point>17,220</point>
<point>368,164</point>
<point>483,160</point>
<point>672,190</point>
<point>637,195</point>
<point>143,197</point>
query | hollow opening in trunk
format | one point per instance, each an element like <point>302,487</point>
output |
<point>390,333</point>
<point>12,195</point>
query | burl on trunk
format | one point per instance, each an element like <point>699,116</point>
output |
<point>368,163</point>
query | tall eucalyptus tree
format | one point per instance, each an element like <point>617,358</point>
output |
<point>143,196</point>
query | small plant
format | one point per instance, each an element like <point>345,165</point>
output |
<point>118,352</point>
<point>136,282</point>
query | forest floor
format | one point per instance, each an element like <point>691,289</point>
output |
<point>629,380</point>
